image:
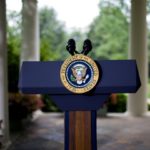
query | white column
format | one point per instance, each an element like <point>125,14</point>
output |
<point>3,74</point>
<point>137,105</point>
<point>30,31</point>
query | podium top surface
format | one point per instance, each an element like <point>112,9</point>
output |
<point>118,76</point>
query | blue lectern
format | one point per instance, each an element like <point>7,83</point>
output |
<point>118,76</point>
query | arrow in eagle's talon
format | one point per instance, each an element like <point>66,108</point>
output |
<point>87,76</point>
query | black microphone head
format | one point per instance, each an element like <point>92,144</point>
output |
<point>71,46</point>
<point>87,44</point>
<point>87,41</point>
<point>71,42</point>
<point>87,47</point>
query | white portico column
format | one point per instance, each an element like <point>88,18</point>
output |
<point>137,105</point>
<point>3,75</point>
<point>30,31</point>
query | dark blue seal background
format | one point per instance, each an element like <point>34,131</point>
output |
<point>89,72</point>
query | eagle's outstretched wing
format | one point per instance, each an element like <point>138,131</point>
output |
<point>74,72</point>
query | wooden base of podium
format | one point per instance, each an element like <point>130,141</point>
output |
<point>80,130</point>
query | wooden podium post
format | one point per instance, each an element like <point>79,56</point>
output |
<point>80,130</point>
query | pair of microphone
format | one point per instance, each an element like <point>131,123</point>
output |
<point>71,47</point>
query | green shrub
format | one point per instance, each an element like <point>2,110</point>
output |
<point>120,105</point>
<point>21,106</point>
<point>49,105</point>
<point>149,107</point>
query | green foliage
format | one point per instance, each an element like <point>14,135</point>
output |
<point>120,106</point>
<point>49,106</point>
<point>52,36</point>
<point>79,37</point>
<point>109,33</point>
<point>13,46</point>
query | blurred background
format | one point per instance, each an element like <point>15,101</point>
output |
<point>40,30</point>
<point>105,23</point>
<point>107,27</point>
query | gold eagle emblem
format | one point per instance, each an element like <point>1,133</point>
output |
<point>79,73</point>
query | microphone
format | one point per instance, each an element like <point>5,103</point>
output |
<point>87,47</point>
<point>71,46</point>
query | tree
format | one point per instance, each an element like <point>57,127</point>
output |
<point>52,35</point>
<point>79,38</point>
<point>13,46</point>
<point>109,33</point>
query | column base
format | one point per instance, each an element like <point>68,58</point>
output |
<point>132,114</point>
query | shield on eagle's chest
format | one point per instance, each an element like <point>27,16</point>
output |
<point>79,73</point>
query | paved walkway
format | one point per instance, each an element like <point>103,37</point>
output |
<point>114,133</point>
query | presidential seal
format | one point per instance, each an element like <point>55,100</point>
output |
<point>79,73</point>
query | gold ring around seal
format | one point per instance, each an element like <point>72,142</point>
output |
<point>83,88</point>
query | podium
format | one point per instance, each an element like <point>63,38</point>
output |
<point>118,76</point>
